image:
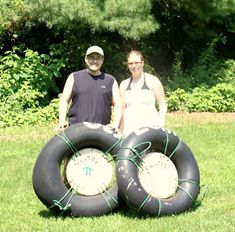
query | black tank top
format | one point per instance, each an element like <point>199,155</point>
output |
<point>91,98</point>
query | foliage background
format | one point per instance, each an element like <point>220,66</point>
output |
<point>189,45</point>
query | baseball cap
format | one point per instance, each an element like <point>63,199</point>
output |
<point>95,49</point>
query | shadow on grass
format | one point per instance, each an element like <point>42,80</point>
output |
<point>123,211</point>
<point>48,214</point>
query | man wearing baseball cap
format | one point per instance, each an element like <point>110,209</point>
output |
<point>95,49</point>
<point>92,93</point>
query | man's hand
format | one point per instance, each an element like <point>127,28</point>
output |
<point>113,127</point>
<point>61,127</point>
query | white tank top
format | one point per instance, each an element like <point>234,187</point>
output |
<point>140,108</point>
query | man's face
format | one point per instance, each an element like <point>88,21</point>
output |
<point>94,62</point>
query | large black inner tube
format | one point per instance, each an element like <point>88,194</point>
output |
<point>47,179</point>
<point>170,145</point>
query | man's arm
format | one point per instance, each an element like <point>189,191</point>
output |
<point>117,106</point>
<point>64,102</point>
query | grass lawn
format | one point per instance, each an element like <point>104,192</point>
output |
<point>211,137</point>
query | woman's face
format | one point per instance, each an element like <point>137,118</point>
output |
<point>135,64</point>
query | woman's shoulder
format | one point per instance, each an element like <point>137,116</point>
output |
<point>150,76</point>
<point>125,83</point>
<point>151,79</point>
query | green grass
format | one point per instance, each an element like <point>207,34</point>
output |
<point>212,142</point>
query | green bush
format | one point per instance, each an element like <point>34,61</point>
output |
<point>220,98</point>
<point>208,86</point>
<point>227,73</point>
<point>27,82</point>
<point>177,100</point>
<point>32,116</point>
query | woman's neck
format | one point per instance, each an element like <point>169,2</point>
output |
<point>137,82</point>
<point>137,77</point>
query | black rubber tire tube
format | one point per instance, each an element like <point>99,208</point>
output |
<point>167,143</point>
<point>47,180</point>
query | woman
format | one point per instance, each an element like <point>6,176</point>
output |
<point>139,94</point>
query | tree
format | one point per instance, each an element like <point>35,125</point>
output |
<point>130,20</point>
<point>160,28</point>
<point>12,14</point>
<point>188,26</point>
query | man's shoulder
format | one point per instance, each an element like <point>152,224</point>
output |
<point>79,72</point>
<point>107,75</point>
<point>109,78</point>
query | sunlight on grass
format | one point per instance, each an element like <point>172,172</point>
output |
<point>211,141</point>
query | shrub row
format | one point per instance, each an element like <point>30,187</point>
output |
<point>219,98</point>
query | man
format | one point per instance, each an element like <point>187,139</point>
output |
<point>92,94</point>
